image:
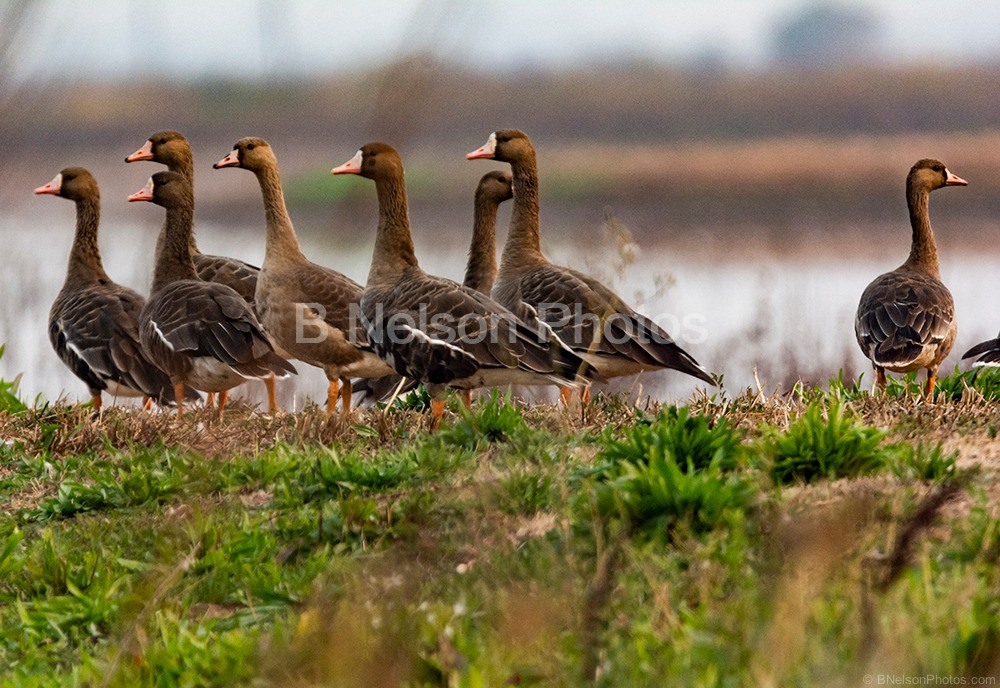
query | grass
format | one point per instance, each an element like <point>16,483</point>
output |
<point>809,538</point>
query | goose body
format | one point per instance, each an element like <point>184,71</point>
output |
<point>94,323</point>
<point>432,329</point>
<point>310,310</point>
<point>594,321</point>
<point>203,334</point>
<point>906,318</point>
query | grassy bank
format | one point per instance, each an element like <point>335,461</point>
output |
<point>810,538</point>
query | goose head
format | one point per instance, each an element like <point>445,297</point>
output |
<point>74,183</point>
<point>167,147</point>
<point>495,186</point>
<point>251,153</point>
<point>167,189</point>
<point>931,174</point>
<point>371,161</point>
<point>505,145</point>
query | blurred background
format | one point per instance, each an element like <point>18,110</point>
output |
<point>755,153</point>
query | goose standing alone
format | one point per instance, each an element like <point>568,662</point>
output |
<point>906,318</point>
<point>481,271</point>
<point>432,329</point>
<point>582,311</point>
<point>94,323</point>
<point>203,334</point>
<point>172,149</point>
<point>306,307</point>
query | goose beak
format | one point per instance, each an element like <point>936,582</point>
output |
<point>484,152</point>
<point>231,160</point>
<point>352,166</point>
<point>144,153</point>
<point>954,180</point>
<point>143,194</point>
<point>52,187</point>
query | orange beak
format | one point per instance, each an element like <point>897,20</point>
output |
<point>231,160</point>
<point>53,187</point>
<point>486,151</point>
<point>144,153</point>
<point>352,166</point>
<point>954,180</point>
<point>143,194</point>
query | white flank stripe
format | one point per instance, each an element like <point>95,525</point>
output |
<point>159,333</point>
<point>423,336</point>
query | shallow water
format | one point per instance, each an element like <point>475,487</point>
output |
<point>787,317</point>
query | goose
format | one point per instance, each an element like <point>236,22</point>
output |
<point>481,269</point>
<point>203,334</point>
<point>172,149</point>
<point>94,323</point>
<point>308,309</point>
<point>594,321</point>
<point>435,330</point>
<point>480,272</point>
<point>906,317</point>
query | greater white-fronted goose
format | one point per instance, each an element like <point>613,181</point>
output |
<point>305,307</point>
<point>906,318</point>
<point>433,329</point>
<point>172,149</point>
<point>593,320</point>
<point>94,323</point>
<point>480,272</point>
<point>203,334</point>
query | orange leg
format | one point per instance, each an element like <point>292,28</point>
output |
<point>565,395</point>
<point>437,411</point>
<point>880,379</point>
<point>223,398</point>
<point>95,402</point>
<point>585,395</point>
<point>209,399</point>
<point>147,403</point>
<point>929,386</point>
<point>179,398</point>
<point>467,398</point>
<point>331,397</point>
<point>272,397</point>
<point>345,398</point>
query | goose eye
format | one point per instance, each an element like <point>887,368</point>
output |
<point>249,146</point>
<point>937,168</point>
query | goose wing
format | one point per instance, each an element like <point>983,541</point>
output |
<point>900,315</point>
<point>592,319</point>
<point>206,319</point>
<point>96,334</point>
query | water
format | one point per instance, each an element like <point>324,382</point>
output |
<point>785,316</point>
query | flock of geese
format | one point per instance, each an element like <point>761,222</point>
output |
<point>212,322</point>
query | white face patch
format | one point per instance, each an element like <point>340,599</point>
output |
<point>149,186</point>
<point>57,182</point>
<point>491,142</point>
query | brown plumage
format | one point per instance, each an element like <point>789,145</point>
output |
<point>481,271</point>
<point>589,317</point>
<point>432,329</point>
<point>306,308</point>
<point>906,318</point>
<point>203,334</point>
<point>172,149</point>
<point>94,323</point>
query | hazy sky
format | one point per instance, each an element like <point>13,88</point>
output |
<point>181,38</point>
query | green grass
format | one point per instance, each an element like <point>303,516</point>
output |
<point>803,540</point>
